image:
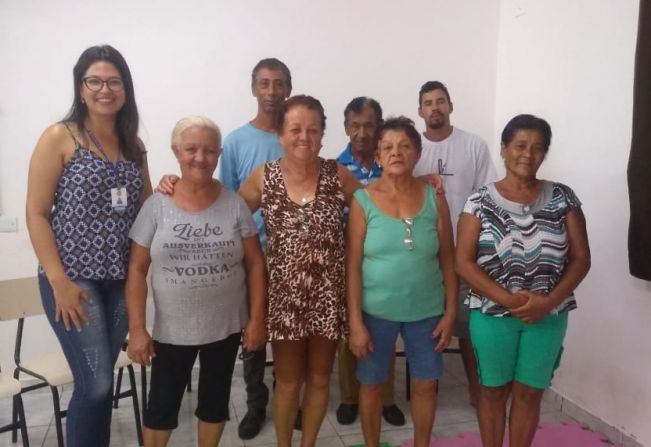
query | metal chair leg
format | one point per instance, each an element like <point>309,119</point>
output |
<point>58,414</point>
<point>17,405</point>
<point>136,408</point>
<point>14,420</point>
<point>118,386</point>
<point>21,416</point>
<point>143,388</point>
<point>14,412</point>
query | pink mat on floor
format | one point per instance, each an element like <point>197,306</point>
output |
<point>564,435</point>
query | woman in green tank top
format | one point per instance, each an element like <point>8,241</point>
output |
<point>400,279</point>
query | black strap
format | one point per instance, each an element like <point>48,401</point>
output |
<point>77,143</point>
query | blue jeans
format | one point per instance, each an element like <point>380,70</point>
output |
<point>91,354</point>
<point>424,362</point>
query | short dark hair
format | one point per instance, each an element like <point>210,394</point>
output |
<point>399,123</point>
<point>127,119</point>
<point>527,122</point>
<point>358,104</point>
<point>306,101</point>
<point>430,86</point>
<point>272,63</point>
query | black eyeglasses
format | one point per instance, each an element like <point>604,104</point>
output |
<point>409,237</point>
<point>95,84</point>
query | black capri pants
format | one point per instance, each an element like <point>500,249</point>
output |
<point>170,372</point>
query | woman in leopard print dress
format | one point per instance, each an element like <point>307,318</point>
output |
<point>302,198</point>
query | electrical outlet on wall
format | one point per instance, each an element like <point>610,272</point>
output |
<point>8,224</point>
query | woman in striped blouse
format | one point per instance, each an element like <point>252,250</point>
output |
<point>523,248</point>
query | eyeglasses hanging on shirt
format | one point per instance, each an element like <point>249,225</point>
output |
<point>409,230</point>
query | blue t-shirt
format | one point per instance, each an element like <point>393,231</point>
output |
<point>364,175</point>
<point>245,149</point>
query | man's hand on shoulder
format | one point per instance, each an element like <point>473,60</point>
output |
<point>435,181</point>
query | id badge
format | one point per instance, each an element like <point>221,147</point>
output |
<point>119,198</point>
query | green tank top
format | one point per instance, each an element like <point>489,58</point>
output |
<point>400,284</point>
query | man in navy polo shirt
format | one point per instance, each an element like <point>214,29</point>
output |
<point>361,116</point>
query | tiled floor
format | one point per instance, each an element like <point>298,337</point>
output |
<point>454,416</point>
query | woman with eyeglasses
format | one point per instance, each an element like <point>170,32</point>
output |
<point>400,280</point>
<point>209,285</point>
<point>87,178</point>
<point>302,198</point>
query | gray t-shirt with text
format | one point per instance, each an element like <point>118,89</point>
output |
<point>198,275</point>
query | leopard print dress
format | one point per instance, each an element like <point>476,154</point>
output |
<point>305,257</point>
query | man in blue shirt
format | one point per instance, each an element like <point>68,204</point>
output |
<point>256,142</point>
<point>361,117</point>
<point>246,148</point>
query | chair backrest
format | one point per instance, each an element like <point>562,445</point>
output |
<point>20,298</point>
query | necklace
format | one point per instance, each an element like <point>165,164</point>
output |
<point>300,184</point>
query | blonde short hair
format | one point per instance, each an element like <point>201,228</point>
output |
<point>194,121</point>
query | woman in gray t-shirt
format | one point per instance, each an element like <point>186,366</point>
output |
<point>202,246</point>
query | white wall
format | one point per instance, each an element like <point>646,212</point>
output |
<point>196,56</point>
<point>572,63</point>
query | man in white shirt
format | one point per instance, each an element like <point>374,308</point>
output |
<point>463,161</point>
